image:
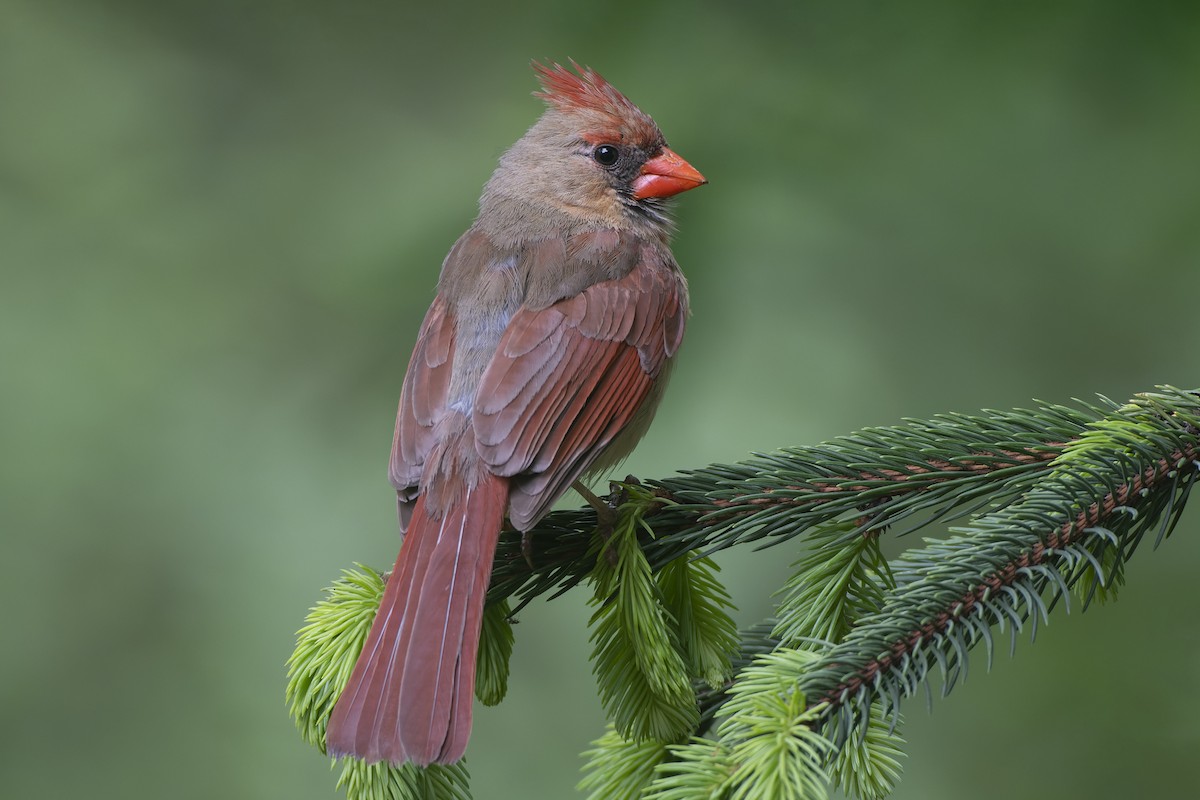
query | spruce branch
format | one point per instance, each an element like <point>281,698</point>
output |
<point>771,733</point>
<point>868,764</point>
<point>699,770</point>
<point>637,655</point>
<point>618,768</point>
<point>327,647</point>
<point>945,467</point>
<point>835,582</point>
<point>699,605</point>
<point>495,650</point>
<point>1048,502</point>
<point>1121,478</point>
<point>404,782</point>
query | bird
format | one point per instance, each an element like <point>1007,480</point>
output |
<point>540,362</point>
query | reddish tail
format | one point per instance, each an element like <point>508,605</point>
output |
<point>409,697</point>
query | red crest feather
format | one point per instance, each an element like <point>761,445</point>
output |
<point>586,90</point>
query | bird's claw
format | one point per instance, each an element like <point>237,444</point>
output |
<point>527,548</point>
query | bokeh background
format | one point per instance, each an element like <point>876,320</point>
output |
<point>220,224</point>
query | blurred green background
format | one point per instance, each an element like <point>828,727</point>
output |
<point>220,224</point>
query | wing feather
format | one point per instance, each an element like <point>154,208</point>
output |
<point>568,378</point>
<point>422,399</point>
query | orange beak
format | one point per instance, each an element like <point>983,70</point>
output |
<point>664,175</point>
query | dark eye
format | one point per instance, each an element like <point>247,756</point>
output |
<point>606,155</point>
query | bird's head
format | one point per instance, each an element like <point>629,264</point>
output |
<point>593,155</point>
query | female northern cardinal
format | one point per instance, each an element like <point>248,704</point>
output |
<point>541,359</point>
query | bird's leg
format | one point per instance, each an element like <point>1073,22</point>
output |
<point>526,546</point>
<point>606,519</point>
<point>606,512</point>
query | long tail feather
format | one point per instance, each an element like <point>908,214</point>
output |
<point>409,697</point>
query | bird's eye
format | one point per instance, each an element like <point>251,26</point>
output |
<point>606,155</point>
